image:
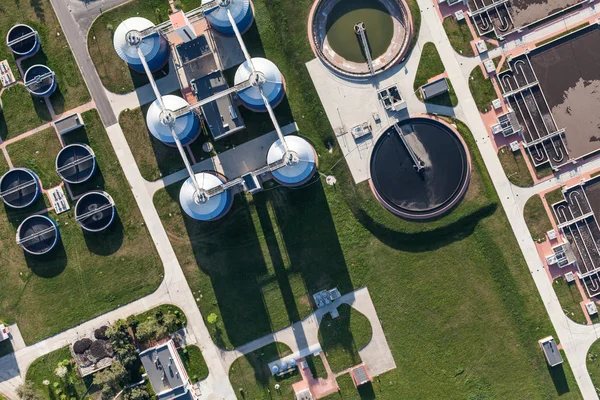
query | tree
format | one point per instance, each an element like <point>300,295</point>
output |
<point>109,27</point>
<point>61,371</point>
<point>137,393</point>
<point>177,4</point>
<point>212,318</point>
<point>150,329</point>
<point>111,379</point>
<point>27,392</point>
<point>122,343</point>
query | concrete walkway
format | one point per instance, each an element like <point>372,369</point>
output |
<point>303,336</point>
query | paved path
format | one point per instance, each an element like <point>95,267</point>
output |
<point>303,336</point>
<point>575,339</point>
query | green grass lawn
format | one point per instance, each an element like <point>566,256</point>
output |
<point>3,164</point>
<point>38,152</point>
<point>341,338</point>
<point>194,363</point>
<point>515,167</point>
<point>43,369</point>
<point>554,196</point>
<point>116,76</point>
<point>87,274</point>
<point>543,171</point>
<point>54,52</point>
<point>162,309</point>
<point>347,390</point>
<point>459,35</point>
<point>154,158</point>
<point>20,112</point>
<point>431,65</point>
<point>316,366</point>
<point>482,90</point>
<point>251,378</point>
<point>569,298</point>
<point>593,363</point>
<point>536,218</point>
<point>455,299</point>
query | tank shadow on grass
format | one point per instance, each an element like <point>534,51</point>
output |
<point>106,242</point>
<point>557,373</point>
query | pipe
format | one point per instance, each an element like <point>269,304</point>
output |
<point>275,123</point>
<point>238,35</point>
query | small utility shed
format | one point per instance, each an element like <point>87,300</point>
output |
<point>360,375</point>
<point>551,351</point>
<point>68,123</point>
<point>435,88</point>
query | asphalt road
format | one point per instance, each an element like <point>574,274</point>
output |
<point>76,18</point>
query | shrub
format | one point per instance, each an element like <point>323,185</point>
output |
<point>80,346</point>
<point>100,333</point>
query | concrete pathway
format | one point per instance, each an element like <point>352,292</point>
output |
<point>303,336</point>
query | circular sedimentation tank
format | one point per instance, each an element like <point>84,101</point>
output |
<point>422,174</point>
<point>40,80</point>
<point>95,211</point>
<point>19,188</point>
<point>23,40</point>
<point>300,159</point>
<point>267,76</point>
<point>187,127</point>
<point>200,206</point>
<point>128,37</point>
<point>241,11</point>
<point>335,39</point>
<point>76,163</point>
<point>37,234</point>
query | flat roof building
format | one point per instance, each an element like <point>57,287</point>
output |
<point>435,88</point>
<point>551,352</point>
<point>68,123</point>
<point>166,372</point>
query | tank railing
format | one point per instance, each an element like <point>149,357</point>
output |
<point>91,213</point>
<point>39,78</point>
<point>75,163</point>
<point>275,123</point>
<point>36,235</point>
<point>164,111</point>
<point>21,38</point>
<point>238,35</point>
<point>237,88</point>
<point>418,163</point>
<point>17,188</point>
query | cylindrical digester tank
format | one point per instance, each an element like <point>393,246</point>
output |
<point>37,235</point>
<point>127,39</point>
<point>301,158</point>
<point>76,163</point>
<point>159,123</point>
<point>203,209</point>
<point>40,80</point>
<point>23,40</point>
<point>95,211</point>
<point>241,11</point>
<point>19,188</point>
<point>268,77</point>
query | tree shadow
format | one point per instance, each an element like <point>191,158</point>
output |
<point>557,373</point>
<point>108,241</point>
<point>3,127</point>
<point>38,8</point>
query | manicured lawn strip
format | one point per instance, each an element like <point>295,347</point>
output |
<point>38,152</point>
<point>251,378</point>
<point>536,218</point>
<point>515,167</point>
<point>162,309</point>
<point>459,35</point>
<point>430,65</point>
<point>54,51</point>
<point>595,174</point>
<point>482,90</point>
<point>569,298</point>
<point>3,164</point>
<point>43,369</point>
<point>116,76</point>
<point>87,274</point>
<point>154,158</point>
<point>593,363</point>
<point>194,363</point>
<point>341,338</point>
<point>554,196</point>
<point>347,390</point>
<point>565,33</point>
<point>21,112</point>
<point>543,171</point>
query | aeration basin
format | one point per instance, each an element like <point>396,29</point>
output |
<point>23,40</point>
<point>37,234</point>
<point>40,80</point>
<point>95,211</point>
<point>420,168</point>
<point>19,188</point>
<point>76,163</point>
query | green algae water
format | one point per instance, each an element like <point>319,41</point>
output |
<point>378,22</point>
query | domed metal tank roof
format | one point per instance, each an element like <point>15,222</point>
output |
<point>127,38</point>
<point>303,161</point>
<point>214,208</point>
<point>76,163</point>
<point>23,40</point>
<point>40,80</point>
<point>268,76</point>
<point>37,234</point>
<point>95,211</point>
<point>19,187</point>
<point>241,11</point>
<point>186,127</point>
